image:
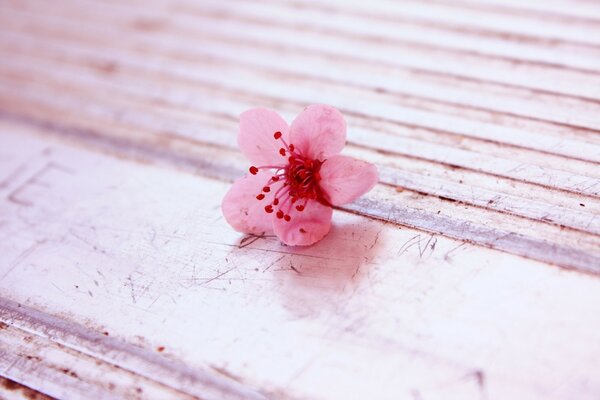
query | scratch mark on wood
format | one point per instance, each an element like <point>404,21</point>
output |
<point>21,257</point>
<point>426,246</point>
<point>447,255</point>
<point>408,244</point>
<point>35,179</point>
<point>59,289</point>
<point>273,263</point>
<point>218,276</point>
<point>249,239</point>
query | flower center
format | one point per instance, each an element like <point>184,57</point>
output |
<point>300,177</point>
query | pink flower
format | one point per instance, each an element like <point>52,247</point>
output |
<point>297,175</point>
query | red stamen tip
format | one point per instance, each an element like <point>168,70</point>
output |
<point>291,146</point>
<point>275,202</point>
<point>253,170</point>
<point>279,214</point>
<point>277,135</point>
<point>260,197</point>
<point>282,151</point>
<point>287,218</point>
<point>269,209</point>
<point>266,189</point>
<point>300,208</point>
<point>275,178</point>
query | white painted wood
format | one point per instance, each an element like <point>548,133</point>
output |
<point>469,272</point>
<point>370,304</point>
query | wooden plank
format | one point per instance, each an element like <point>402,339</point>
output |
<point>117,143</point>
<point>283,38</point>
<point>585,183</point>
<point>356,321</point>
<point>483,22</point>
<point>53,355</point>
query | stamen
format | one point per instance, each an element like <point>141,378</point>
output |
<point>290,147</point>
<point>282,188</point>
<point>301,207</point>
<point>300,181</point>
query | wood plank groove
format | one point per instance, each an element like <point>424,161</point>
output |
<point>593,155</point>
<point>477,22</point>
<point>188,128</point>
<point>363,137</point>
<point>522,137</point>
<point>202,24</point>
<point>434,37</point>
<point>516,164</point>
<point>533,140</point>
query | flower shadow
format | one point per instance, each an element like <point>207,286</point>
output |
<point>322,276</point>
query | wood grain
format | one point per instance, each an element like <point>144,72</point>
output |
<point>117,142</point>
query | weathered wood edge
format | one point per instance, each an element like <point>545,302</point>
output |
<point>193,381</point>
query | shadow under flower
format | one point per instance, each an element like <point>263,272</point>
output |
<point>314,279</point>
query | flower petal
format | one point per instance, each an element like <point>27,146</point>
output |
<point>306,227</point>
<point>318,132</point>
<point>255,137</point>
<point>241,208</point>
<point>344,179</point>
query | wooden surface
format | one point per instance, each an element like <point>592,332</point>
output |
<point>471,271</point>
